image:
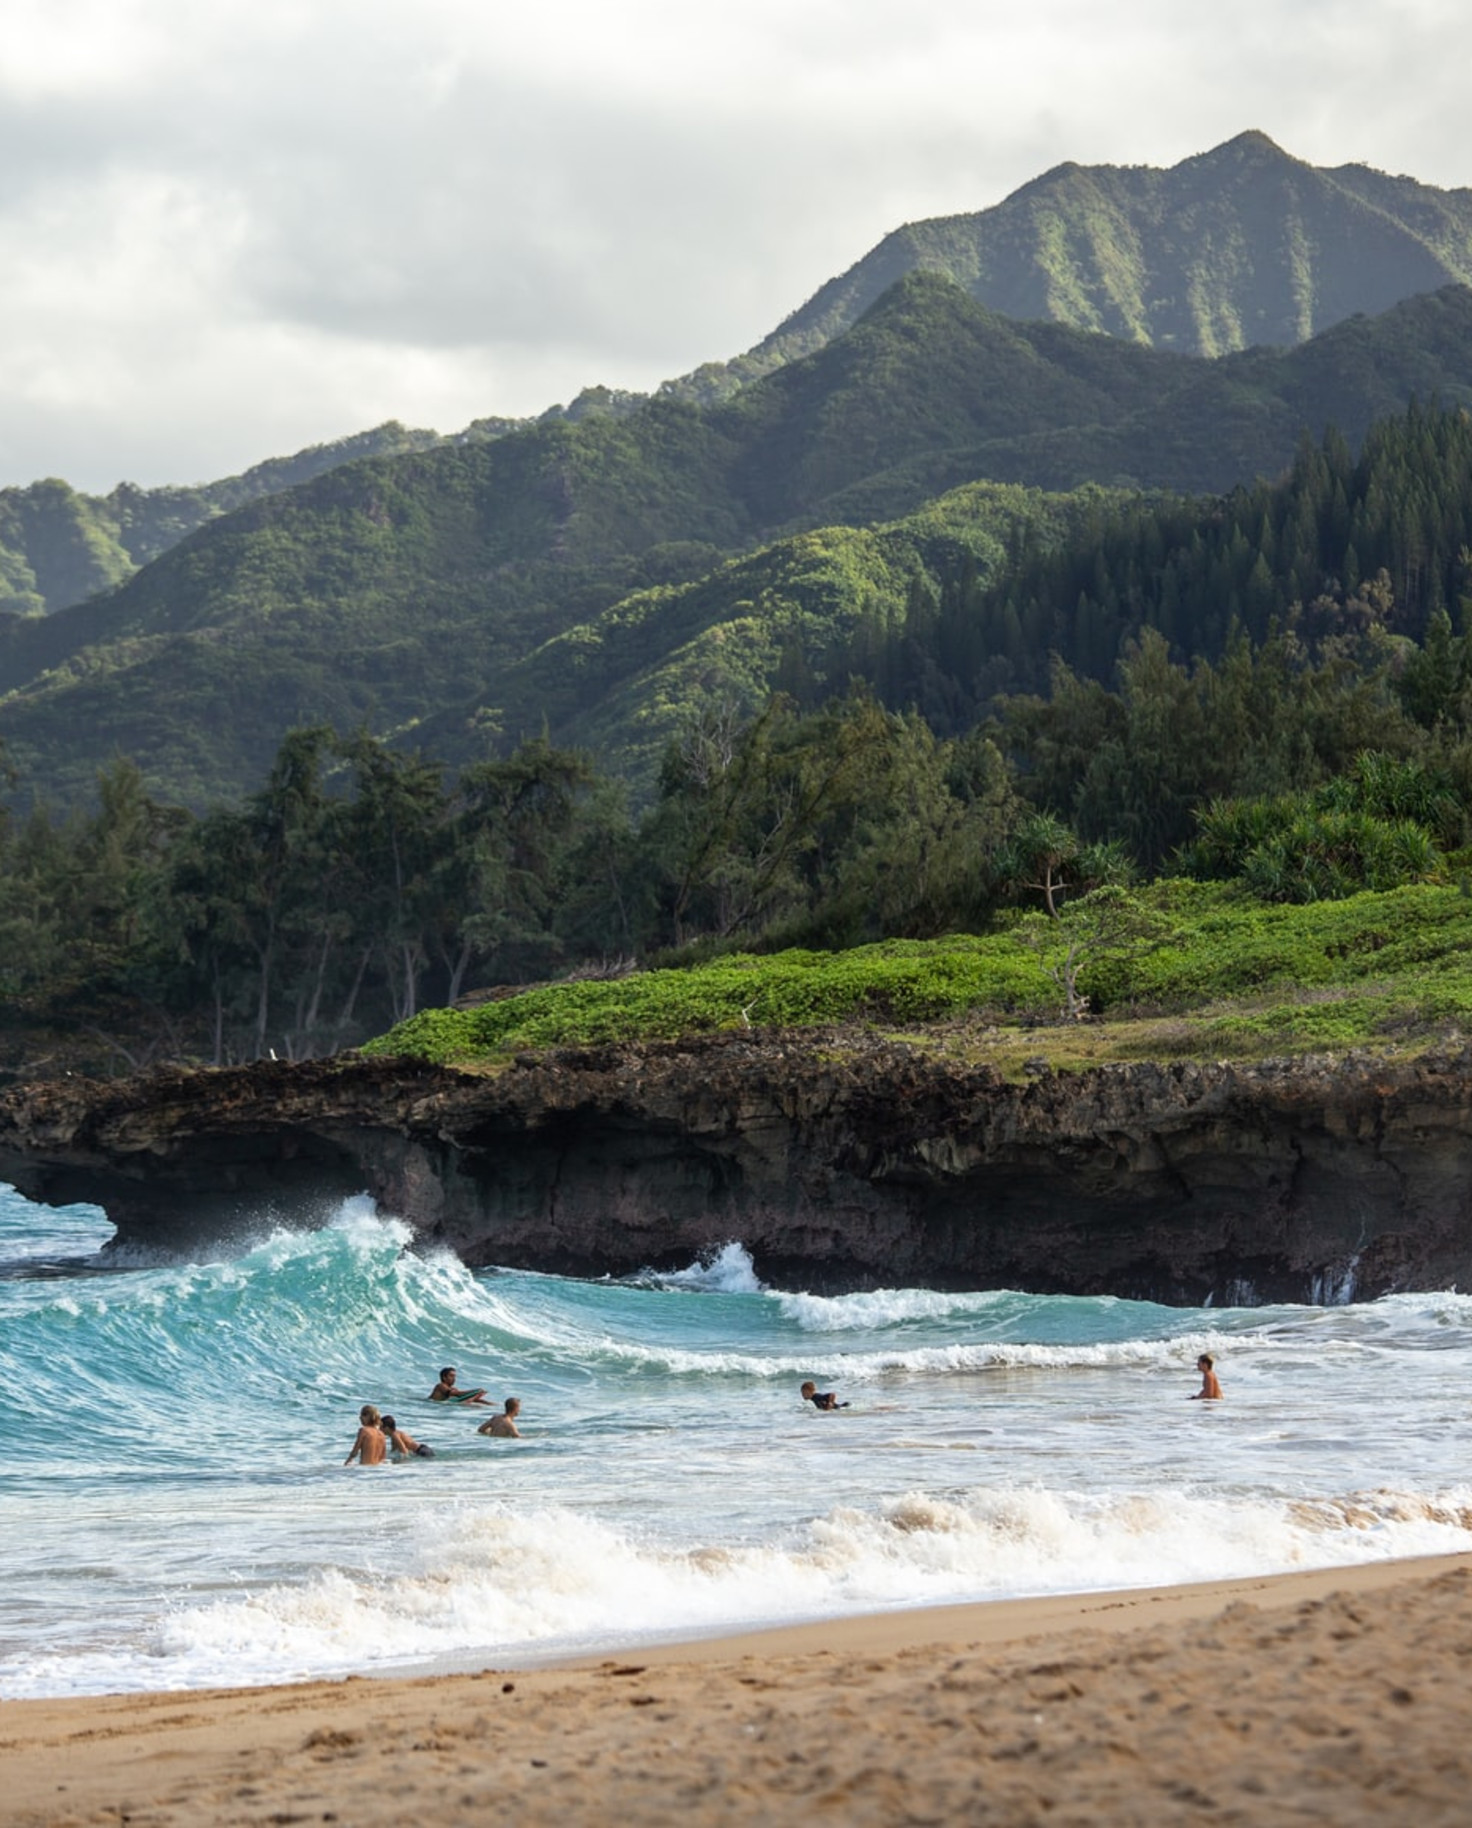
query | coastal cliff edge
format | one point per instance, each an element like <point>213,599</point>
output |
<point>841,1159</point>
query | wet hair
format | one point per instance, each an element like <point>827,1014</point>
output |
<point>807,1389</point>
<point>388,1424</point>
<point>368,1416</point>
<point>1207,1360</point>
<point>513,1403</point>
<point>447,1374</point>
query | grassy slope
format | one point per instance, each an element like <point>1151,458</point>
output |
<point>375,593</point>
<point>1236,979</point>
<point>621,683</point>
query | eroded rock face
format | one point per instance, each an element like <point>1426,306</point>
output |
<point>841,1161</point>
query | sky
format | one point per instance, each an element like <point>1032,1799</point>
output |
<point>237,228</point>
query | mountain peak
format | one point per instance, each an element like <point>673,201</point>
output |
<point>1253,141</point>
<point>1245,154</point>
<point>1240,245</point>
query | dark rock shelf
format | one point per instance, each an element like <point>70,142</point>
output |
<point>841,1161</point>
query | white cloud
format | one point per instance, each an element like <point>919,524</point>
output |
<point>229,230</point>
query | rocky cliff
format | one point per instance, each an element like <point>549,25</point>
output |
<point>840,1160</point>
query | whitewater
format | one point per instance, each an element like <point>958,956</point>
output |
<point>176,1512</point>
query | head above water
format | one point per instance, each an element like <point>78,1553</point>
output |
<point>388,1424</point>
<point>1206,1362</point>
<point>513,1405</point>
<point>447,1374</point>
<point>808,1389</point>
<point>368,1416</point>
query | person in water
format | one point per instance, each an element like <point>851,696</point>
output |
<point>1210,1388</point>
<point>371,1446</point>
<point>504,1425</point>
<point>400,1444</point>
<point>821,1399</point>
<point>448,1391</point>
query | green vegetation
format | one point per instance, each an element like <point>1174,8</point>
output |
<point>855,697</point>
<point>58,547</point>
<point>1338,543</point>
<point>55,547</point>
<point>363,883</point>
<point>1220,977</point>
<point>898,981</point>
<point>1242,245</point>
<point>595,579</point>
<point>802,616</point>
<point>365,879</point>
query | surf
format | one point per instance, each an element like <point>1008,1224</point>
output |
<point>181,1517</point>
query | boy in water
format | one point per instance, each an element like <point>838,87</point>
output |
<point>504,1425</point>
<point>820,1399</point>
<point>401,1444</point>
<point>447,1391</point>
<point>370,1448</point>
<point>1210,1388</point>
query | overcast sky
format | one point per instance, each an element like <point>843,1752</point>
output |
<point>232,228</point>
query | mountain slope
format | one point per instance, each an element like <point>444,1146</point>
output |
<point>388,590</point>
<point>1237,246</point>
<point>1240,246</point>
<point>58,546</point>
<point>789,615</point>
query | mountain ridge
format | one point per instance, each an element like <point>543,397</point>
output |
<point>1239,245</point>
<point>388,591</point>
<point>1421,237</point>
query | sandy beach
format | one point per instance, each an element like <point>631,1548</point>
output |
<point>1338,1696</point>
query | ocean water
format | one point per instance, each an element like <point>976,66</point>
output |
<point>176,1512</point>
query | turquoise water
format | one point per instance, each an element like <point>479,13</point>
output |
<point>177,1514</point>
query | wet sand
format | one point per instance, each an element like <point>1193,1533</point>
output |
<point>1337,1697</point>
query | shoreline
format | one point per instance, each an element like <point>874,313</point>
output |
<point>1013,1621</point>
<point>1314,1684</point>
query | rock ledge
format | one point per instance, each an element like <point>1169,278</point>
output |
<point>840,1160</point>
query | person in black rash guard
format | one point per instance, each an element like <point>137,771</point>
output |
<point>402,1444</point>
<point>821,1399</point>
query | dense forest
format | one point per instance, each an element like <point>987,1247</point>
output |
<point>1342,542</point>
<point>59,546</point>
<point>1273,688</point>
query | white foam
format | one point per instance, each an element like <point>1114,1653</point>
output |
<point>727,1271</point>
<point>986,1355</point>
<point>505,1584</point>
<point>887,1307</point>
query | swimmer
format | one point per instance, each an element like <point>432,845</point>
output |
<point>370,1448</point>
<point>820,1399</point>
<point>448,1391</point>
<point>1210,1388</point>
<point>402,1445</point>
<point>503,1426</point>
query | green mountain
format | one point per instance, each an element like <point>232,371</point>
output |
<point>1239,246</point>
<point>582,572</point>
<point>58,546</point>
<point>802,614</point>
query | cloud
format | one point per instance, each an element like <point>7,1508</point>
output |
<point>231,230</point>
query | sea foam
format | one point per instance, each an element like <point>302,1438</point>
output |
<point>501,1584</point>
